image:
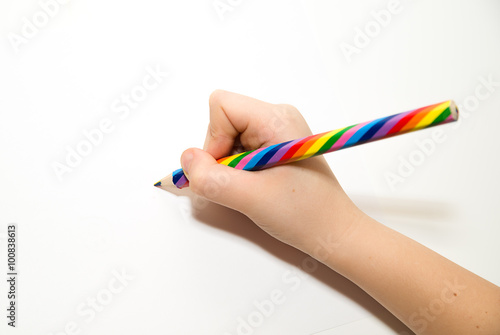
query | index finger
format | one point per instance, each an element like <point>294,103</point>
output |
<point>257,123</point>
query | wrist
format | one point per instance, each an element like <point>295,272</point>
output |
<point>334,237</point>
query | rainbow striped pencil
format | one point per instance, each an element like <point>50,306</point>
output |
<point>302,148</point>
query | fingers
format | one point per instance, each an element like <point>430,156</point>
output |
<point>257,123</point>
<point>236,118</point>
<point>216,182</point>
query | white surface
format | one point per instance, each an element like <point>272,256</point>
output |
<point>198,272</point>
<point>370,325</point>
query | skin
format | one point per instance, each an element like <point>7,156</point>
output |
<point>426,291</point>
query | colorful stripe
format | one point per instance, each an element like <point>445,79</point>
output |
<point>342,138</point>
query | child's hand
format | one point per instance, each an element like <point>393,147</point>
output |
<point>302,204</point>
<point>296,203</point>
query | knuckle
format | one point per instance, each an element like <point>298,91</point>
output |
<point>215,97</point>
<point>289,112</point>
<point>282,116</point>
<point>289,109</point>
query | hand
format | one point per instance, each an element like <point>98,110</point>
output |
<point>295,203</point>
<point>302,204</point>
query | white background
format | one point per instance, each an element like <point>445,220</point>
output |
<point>197,271</point>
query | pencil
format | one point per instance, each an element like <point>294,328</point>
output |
<point>314,145</point>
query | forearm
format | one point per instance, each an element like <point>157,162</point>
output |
<point>426,291</point>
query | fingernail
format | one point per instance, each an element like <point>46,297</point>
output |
<point>186,160</point>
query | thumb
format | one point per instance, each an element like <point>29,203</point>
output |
<point>216,182</point>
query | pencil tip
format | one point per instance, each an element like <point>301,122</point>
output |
<point>166,183</point>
